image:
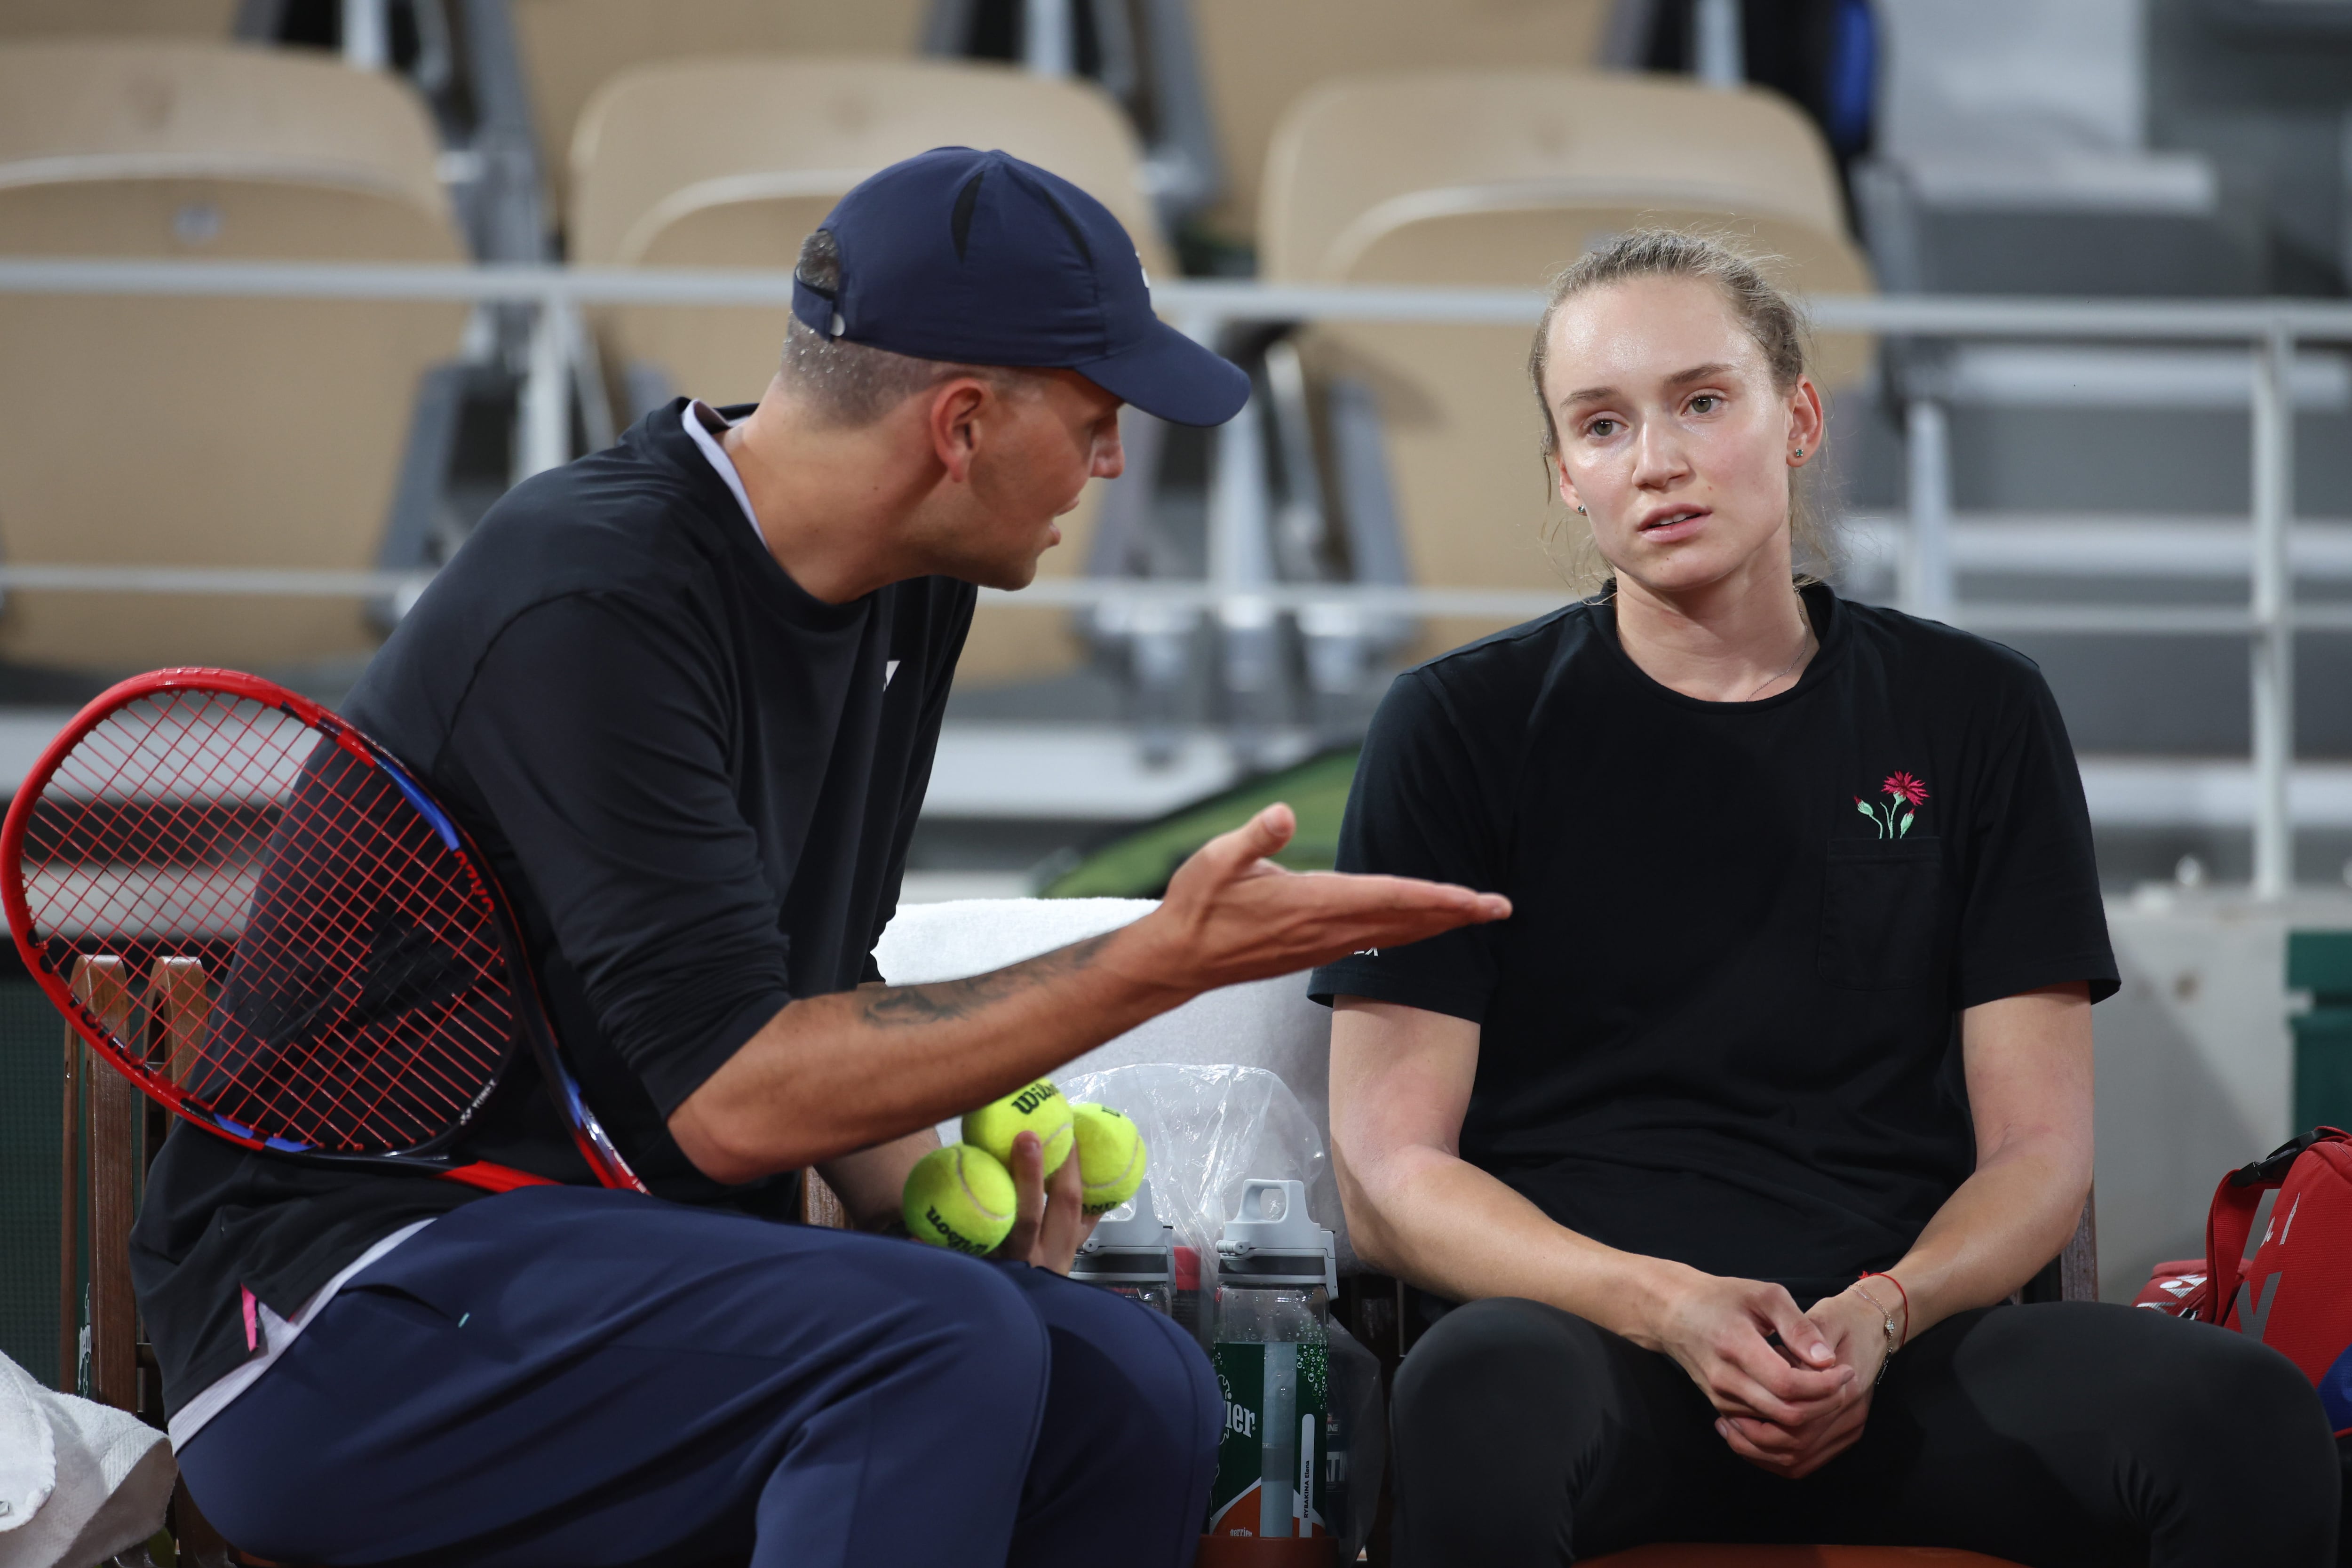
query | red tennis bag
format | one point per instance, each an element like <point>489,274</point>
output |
<point>2295,1294</point>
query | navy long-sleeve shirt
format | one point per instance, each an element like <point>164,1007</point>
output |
<point>697,783</point>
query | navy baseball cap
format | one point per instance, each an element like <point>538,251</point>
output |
<point>982,258</point>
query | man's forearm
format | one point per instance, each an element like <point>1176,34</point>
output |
<point>829,1075</point>
<point>832,1074</point>
<point>1437,1221</point>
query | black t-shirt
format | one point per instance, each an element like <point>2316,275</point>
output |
<point>697,783</point>
<point>1720,1024</point>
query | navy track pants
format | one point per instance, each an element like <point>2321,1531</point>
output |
<point>580,1378</point>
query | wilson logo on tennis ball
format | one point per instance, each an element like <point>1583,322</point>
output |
<point>944,1233</point>
<point>1036,1107</point>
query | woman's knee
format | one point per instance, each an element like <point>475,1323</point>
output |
<point>2240,1392</point>
<point>2201,1411</point>
<point>2201,1381</point>
<point>1483,1351</point>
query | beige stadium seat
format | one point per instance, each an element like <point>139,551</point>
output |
<point>570,48</point>
<point>731,162</point>
<point>1502,179</point>
<point>220,432</point>
<point>22,19</point>
<point>1258,57</point>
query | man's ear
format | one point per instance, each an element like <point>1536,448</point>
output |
<point>957,407</point>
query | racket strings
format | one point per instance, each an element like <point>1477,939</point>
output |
<point>359,999</point>
<point>377,971</point>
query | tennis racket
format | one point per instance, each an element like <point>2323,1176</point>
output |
<point>366,991</point>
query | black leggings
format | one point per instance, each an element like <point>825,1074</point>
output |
<point>2067,1433</point>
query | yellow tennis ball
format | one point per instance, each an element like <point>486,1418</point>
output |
<point>1036,1107</point>
<point>1111,1156</point>
<point>960,1198</point>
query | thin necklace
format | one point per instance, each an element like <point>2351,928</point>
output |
<point>1803,649</point>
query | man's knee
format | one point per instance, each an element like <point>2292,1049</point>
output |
<point>977,1331</point>
<point>1139,1376</point>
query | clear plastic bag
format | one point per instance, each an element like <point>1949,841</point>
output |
<point>1209,1130</point>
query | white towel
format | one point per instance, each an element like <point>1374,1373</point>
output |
<point>78,1481</point>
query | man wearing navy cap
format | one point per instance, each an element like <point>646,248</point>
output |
<point>686,692</point>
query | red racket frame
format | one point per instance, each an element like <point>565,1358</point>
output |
<point>594,1145</point>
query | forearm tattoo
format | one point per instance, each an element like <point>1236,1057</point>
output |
<point>900,1006</point>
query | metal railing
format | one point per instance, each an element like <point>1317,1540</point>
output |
<point>2270,331</point>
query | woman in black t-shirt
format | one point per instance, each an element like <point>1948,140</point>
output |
<point>1779,1081</point>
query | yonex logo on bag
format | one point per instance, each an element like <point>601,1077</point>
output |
<point>2251,1317</point>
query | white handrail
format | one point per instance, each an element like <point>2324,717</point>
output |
<point>1942,316</point>
<point>2270,329</point>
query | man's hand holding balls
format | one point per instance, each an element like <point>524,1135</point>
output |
<point>1010,1189</point>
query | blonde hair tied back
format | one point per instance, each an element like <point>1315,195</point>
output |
<point>1778,327</point>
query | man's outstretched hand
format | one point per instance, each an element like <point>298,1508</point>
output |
<point>1232,914</point>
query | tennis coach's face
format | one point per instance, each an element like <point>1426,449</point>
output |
<point>1036,439</point>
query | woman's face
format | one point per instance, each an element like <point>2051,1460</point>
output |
<point>1672,437</point>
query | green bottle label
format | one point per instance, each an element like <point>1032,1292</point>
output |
<point>1270,1458</point>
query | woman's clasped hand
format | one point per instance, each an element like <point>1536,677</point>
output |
<point>1791,1388</point>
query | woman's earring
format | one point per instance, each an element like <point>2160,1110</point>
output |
<point>1581,512</point>
<point>1800,451</point>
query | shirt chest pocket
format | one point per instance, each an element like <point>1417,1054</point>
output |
<point>1881,907</point>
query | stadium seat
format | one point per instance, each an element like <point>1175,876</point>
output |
<point>23,19</point>
<point>569,49</point>
<point>731,162</point>
<point>1257,61</point>
<point>1501,178</point>
<point>154,431</point>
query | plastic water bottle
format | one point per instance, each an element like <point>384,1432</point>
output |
<point>1272,1349</point>
<point>1131,1254</point>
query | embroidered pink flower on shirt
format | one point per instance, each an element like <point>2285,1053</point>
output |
<point>1893,819</point>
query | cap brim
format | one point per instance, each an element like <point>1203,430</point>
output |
<point>1171,377</point>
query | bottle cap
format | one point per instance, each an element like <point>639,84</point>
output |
<point>1128,1247</point>
<point>1273,1240</point>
